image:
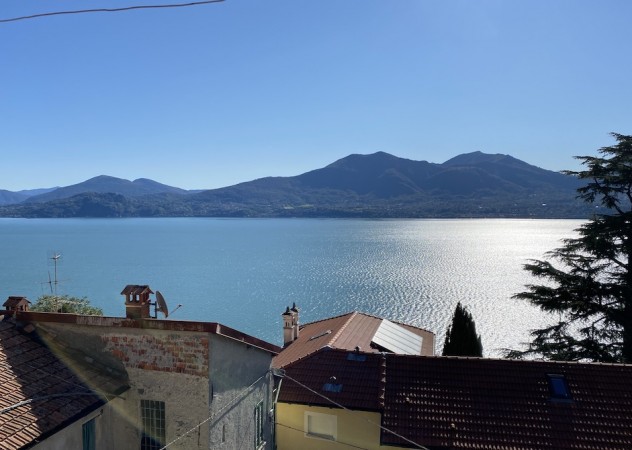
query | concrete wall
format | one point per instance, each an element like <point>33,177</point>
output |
<point>71,437</point>
<point>203,378</point>
<point>169,366</point>
<point>354,428</point>
<point>240,379</point>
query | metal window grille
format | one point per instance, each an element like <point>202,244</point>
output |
<point>259,441</point>
<point>153,419</point>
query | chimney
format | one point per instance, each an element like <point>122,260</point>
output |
<point>15,304</point>
<point>288,328</point>
<point>137,301</point>
<point>295,324</point>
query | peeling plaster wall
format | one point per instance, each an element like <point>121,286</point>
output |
<point>235,366</point>
<point>202,378</point>
<point>71,437</point>
<point>163,365</point>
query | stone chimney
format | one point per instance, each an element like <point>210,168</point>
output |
<point>295,324</point>
<point>288,330</point>
<point>290,325</point>
<point>137,301</point>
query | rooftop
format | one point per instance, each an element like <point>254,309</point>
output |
<point>355,329</point>
<point>150,324</point>
<point>468,403</point>
<point>40,394</point>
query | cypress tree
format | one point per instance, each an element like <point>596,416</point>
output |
<point>461,338</point>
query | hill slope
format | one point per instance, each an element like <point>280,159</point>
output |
<point>108,185</point>
<point>376,185</point>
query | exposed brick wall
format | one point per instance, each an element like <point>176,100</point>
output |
<point>165,353</point>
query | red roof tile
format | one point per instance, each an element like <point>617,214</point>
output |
<point>506,404</point>
<point>358,380</point>
<point>474,403</point>
<point>39,393</point>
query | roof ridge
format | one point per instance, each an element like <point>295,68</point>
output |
<point>342,328</point>
<point>511,360</point>
<point>328,318</point>
<point>398,322</point>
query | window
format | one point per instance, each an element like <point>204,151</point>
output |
<point>558,387</point>
<point>259,425</point>
<point>88,431</point>
<point>321,426</point>
<point>152,414</point>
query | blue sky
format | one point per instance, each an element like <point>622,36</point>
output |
<point>210,96</point>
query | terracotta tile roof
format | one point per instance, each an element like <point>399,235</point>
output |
<point>475,403</point>
<point>136,289</point>
<point>504,404</point>
<point>348,331</point>
<point>357,379</point>
<point>39,393</point>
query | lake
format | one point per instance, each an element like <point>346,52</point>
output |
<point>244,272</point>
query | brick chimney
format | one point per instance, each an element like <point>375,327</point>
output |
<point>15,304</point>
<point>137,301</point>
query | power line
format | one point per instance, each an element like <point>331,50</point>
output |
<point>100,10</point>
<point>241,394</point>
<point>302,431</point>
<point>352,411</point>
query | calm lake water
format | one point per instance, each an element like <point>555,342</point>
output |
<point>244,272</point>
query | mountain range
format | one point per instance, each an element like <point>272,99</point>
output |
<point>375,185</point>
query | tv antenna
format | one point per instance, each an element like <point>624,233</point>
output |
<point>161,305</point>
<point>53,282</point>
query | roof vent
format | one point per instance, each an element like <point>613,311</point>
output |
<point>324,333</point>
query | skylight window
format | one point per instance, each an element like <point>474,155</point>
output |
<point>558,387</point>
<point>332,385</point>
<point>356,357</point>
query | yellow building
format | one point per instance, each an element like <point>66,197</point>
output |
<point>383,398</point>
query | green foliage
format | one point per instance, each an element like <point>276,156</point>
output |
<point>65,304</point>
<point>590,289</point>
<point>461,338</point>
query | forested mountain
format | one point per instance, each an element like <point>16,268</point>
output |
<point>376,185</point>
<point>107,185</point>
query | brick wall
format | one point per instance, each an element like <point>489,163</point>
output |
<point>172,352</point>
<point>165,352</point>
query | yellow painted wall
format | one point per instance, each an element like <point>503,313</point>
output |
<point>356,429</point>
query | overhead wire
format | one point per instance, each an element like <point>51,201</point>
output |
<point>333,402</point>
<point>102,10</point>
<point>241,394</point>
<point>337,441</point>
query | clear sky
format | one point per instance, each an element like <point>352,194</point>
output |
<point>209,96</point>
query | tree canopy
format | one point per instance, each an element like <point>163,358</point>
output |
<point>588,280</point>
<point>65,304</point>
<point>461,338</point>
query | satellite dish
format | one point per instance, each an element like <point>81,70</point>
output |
<point>161,304</point>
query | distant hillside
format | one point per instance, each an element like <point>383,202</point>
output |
<point>376,185</point>
<point>104,184</point>
<point>10,197</point>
